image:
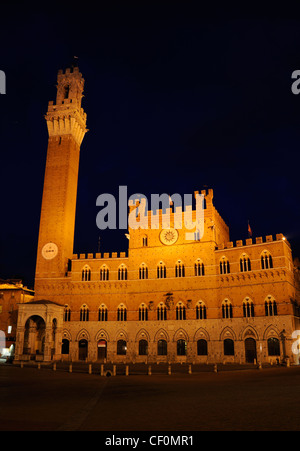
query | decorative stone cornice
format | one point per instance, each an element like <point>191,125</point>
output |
<point>66,121</point>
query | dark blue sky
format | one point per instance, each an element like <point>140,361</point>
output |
<point>176,98</point>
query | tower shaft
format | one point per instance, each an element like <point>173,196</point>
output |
<point>66,122</point>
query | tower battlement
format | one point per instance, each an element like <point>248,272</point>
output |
<point>202,220</point>
<point>174,210</point>
<point>66,116</point>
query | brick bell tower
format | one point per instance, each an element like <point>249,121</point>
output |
<point>66,122</point>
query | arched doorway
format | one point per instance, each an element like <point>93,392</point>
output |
<point>102,350</point>
<point>121,347</point>
<point>228,346</point>
<point>201,347</point>
<point>34,336</point>
<point>181,347</point>
<point>162,347</point>
<point>65,348</point>
<point>83,349</point>
<point>143,347</point>
<point>273,346</point>
<point>250,350</point>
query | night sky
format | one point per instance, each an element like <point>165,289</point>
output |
<point>177,98</point>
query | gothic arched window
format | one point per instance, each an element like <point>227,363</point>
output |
<point>180,311</point>
<point>84,313</point>
<point>179,269</point>
<point>200,310</point>
<point>104,273</point>
<point>161,312</point>
<point>226,309</point>
<point>67,313</point>
<point>161,271</point>
<point>121,313</point>
<point>245,263</point>
<point>143,313</point>
<point>224,266</point>
<point>143,271</point>
<point>270,306</point>
<point>122,272</point>
<point>102,313</point>
<point>248,308</point>
<point>86,274</point>
<point>199,268</point>
<point>266,260</point>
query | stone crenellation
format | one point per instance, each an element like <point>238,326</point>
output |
<point>229,245</point>
<point>250,241</point>
<point>99,256</point>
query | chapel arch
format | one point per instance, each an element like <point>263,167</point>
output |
<point>34,336</point>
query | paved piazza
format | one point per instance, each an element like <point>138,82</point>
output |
<point>35,399</point>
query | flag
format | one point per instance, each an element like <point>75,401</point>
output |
<point>249,230</point>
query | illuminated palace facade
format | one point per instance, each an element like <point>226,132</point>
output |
<point>168,299</point>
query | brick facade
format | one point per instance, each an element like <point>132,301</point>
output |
<point>221,301</point>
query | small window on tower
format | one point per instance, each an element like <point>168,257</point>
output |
<point>67,91</point>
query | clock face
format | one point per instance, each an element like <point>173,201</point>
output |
<point>49,251</point>
<point>168,236</point>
